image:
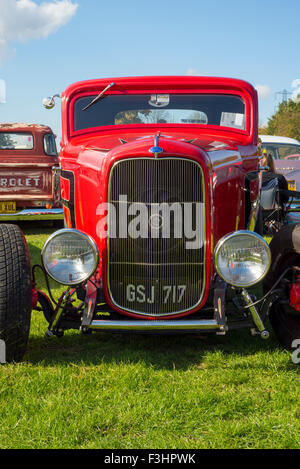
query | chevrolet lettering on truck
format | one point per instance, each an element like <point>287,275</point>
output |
<point>160,182</point>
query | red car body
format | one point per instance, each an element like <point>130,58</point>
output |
<point>89,156</point>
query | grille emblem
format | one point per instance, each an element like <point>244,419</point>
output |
<point>156,222</point>
<point>156,150</point>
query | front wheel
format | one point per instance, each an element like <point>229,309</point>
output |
<point>285,250</point>
<point>15,291</point>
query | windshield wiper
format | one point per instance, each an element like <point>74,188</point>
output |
<point>95,100</point>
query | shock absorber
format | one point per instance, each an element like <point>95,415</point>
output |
<point>255,315</point>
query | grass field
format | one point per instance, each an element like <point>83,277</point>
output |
<point>120,391</point>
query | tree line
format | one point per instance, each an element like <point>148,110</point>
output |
<point>285,121</point>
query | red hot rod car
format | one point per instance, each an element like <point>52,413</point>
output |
<point>160,182</point>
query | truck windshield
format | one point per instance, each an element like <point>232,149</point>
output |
<point>221,110</point>
<point>16,141</point>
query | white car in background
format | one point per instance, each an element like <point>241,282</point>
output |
<point>286,154</point>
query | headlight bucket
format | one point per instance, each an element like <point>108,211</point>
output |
<point>70,257</point>
<point>242,258</point>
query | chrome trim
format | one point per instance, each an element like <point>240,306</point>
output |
<point>204,247</point>
<point>82,235</point>
<point>232,235</point>
<point>140,325</point>
<point>56,170</point>
<point>253,217</point>
<point>289,168</point>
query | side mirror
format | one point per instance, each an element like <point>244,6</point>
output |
<point>49,103</point>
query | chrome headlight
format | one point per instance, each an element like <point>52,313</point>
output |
<point>242,258</point>
<point>70,257</point>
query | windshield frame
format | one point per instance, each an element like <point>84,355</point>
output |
<point>123,127</point>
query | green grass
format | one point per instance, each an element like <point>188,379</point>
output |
<point>124,391</point>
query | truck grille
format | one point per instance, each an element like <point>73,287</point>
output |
<point>153,269</point>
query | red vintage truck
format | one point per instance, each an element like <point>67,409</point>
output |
<point>29,183</point>
<point>160,181</point>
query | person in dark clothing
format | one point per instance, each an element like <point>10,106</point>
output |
<point>270,174</point>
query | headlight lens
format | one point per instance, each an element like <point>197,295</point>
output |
<point>242,258</point>
<point>70,257</point>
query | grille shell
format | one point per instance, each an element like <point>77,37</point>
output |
<point>155,269</point>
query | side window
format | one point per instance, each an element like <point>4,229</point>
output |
<point>50,145</point>
<point>287,150</point>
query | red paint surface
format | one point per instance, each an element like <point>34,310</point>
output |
<point>295,295</point>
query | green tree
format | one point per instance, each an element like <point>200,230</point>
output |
<point>263,130</point>
<point>286,120</point>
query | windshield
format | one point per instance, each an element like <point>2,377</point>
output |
<point>221,110</point>
<point>16,141</point>
<point>281,151</point>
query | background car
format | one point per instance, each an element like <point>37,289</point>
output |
<point>286,154</point>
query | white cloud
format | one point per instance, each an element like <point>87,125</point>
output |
<point>296,89</point>
<point>22,20</point>
<point>2,92</point>
<point>264,91</point>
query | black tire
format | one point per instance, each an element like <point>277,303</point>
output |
<point>15,291</point>
<point>285,250</point>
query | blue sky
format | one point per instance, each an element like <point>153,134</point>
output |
<point>255,40</point>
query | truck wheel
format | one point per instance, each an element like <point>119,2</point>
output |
<point>15,291</point>
<point>285,250</point>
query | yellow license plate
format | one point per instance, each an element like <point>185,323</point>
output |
<point>291,185</point>
<point>8,207</point>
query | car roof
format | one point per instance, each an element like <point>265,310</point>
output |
<point>23,127</point>
<point>278,139</point>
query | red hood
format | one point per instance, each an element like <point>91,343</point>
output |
<point>108,142</point>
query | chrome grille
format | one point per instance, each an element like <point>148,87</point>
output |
<point>152,274</point>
